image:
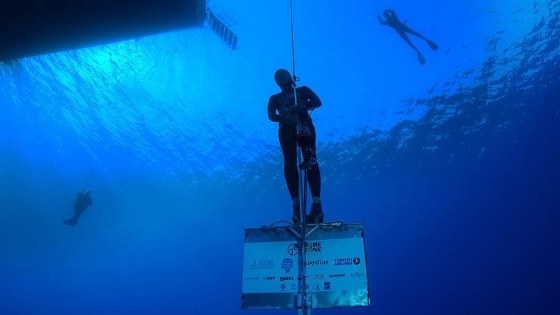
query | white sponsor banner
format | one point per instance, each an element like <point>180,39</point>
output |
<point>332,265</point>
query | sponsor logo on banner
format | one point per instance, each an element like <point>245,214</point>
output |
<point>342,261</point>
<point>310,248</point>
<point>358,274</point>
<point>317,287</point>
<point>286,278</point>
<point>338,275</point>
<point>251,278</point>
<point>319,277</point>
<point>269,278</point>
<point>327,285</point>
<point>293,249</point>
<point>346,261</point>
<point>287,264</point>
<point>293,286</point>
<point>313,247</point>
<point>317,262</point>
<point>262,264</point>
<point>283,286</point>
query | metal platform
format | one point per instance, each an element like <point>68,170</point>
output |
<point>335,268</point>
<point>36,27</point>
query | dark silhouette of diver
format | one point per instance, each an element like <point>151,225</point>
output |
<point>82,202</point>
<point>393,21</point>
<point>282,109</point>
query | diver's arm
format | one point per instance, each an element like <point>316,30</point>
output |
<point>271,109</point>
<point>309,97</point>
<point>381,21</point>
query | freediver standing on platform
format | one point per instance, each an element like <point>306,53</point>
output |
<point>393,21</point>
<point>282,109</point>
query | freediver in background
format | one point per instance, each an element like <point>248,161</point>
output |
<point>393,21</point>
<point>82,202</point>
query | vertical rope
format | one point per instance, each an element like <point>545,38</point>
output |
<point>302,176</point>
<point>302,189</point>
<point>293,45</point>
<point>58,288</point>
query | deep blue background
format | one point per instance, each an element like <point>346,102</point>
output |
<point>451,166</point>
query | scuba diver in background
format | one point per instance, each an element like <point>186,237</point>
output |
<point>393,21</point>
<point>282,109</point>
<point>82,202</point>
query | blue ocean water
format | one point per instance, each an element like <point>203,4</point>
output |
<point>451,166</point>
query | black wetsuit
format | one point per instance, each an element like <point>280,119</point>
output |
<point>82,202</point>
<point>282,105</point>
<point>393,21</point>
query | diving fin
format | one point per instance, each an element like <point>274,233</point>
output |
<point>432,45</point>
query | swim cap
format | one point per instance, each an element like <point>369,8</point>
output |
<point>282,77</point>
